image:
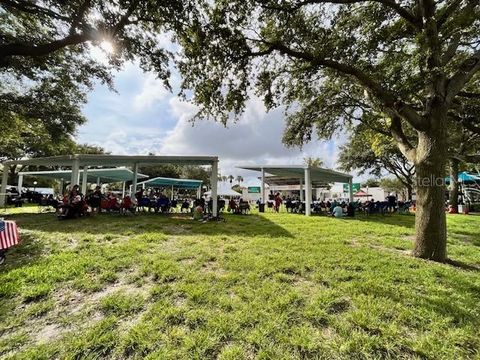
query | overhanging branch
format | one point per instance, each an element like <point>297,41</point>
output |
<point>384,95</point>
<point>466,71</point>
<point>42,49</point>
<point>403,143</point>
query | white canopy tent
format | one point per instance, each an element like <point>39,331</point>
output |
<point>82,162</point>
<point>299,174</point>
<point>223,190</point>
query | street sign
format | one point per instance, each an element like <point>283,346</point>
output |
<point>355,187</point>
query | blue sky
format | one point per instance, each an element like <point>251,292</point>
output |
<point>142,117</point>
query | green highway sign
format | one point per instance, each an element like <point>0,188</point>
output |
<point>355,186</point>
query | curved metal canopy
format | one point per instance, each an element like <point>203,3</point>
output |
<point>177,183</point>
<point>296,172</point>
<point>104,175</point>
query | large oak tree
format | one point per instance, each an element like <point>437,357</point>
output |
<point>288,51</point>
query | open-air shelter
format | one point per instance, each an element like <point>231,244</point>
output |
<point>94,176</point>
<point>80,164</point>
<point>299,174</point>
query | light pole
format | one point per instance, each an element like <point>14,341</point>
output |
<point>34,186</point>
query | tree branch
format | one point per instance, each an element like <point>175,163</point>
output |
<point>18,49</point>
<point>466,71</point>
<point>403,143</point>
<point>475,159</point>
<point>124,19</point>
<point>445,13</point>
<point>43,49</point>
<point>32,8</point>
<point>469,95</point>
<point>451,49</point>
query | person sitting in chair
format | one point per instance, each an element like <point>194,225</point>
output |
<point>95,199</point>
<point>128,205</point>
<point>350,210</point>
<point>185,205</point>
<point>198,213</point>
<point>113,203</point>
<point>74,205</point>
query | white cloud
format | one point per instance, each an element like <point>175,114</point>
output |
<point>153,90</point>
<point>144,117</point>
<point>254,139</point>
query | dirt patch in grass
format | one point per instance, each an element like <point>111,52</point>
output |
<point>404,252</point>
<point>338,306</point>
<point>48,333</point>
<point>306,285</point>
<point>74,310</point>
<point>178,230</point>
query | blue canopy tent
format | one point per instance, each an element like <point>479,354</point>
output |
<point>92,176</point>
<point>469,185</point>
<point>465,178</point>
<point>184,184</point>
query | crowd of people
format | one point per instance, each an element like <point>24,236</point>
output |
<point>339,208</point>
<point>74,204</point>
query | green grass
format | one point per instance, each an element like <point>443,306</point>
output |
<point>270,286</point>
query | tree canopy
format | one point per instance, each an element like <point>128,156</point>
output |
<point>48,62</point>
<point>376,154</point>
<point>54,35</point>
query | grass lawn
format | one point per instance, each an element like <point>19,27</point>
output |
<point>270,286</point>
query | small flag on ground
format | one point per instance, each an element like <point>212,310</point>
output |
<point>8,234</point>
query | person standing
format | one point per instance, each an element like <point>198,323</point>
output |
<point>277,202</point>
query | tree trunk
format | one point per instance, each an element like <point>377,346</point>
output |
<point>454,165</point>
<point>430,219</point>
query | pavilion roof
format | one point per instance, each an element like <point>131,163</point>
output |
<point>295,172</point>
<point>105,175</point>
<point>177,183</point>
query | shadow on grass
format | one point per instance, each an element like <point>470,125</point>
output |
<point>462,265</point>
<point>389,219</point>
<point>27,252</point>
<point>172,224</point>
<point>34,226</point>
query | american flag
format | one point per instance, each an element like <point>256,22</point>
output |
<point>8,234</point>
